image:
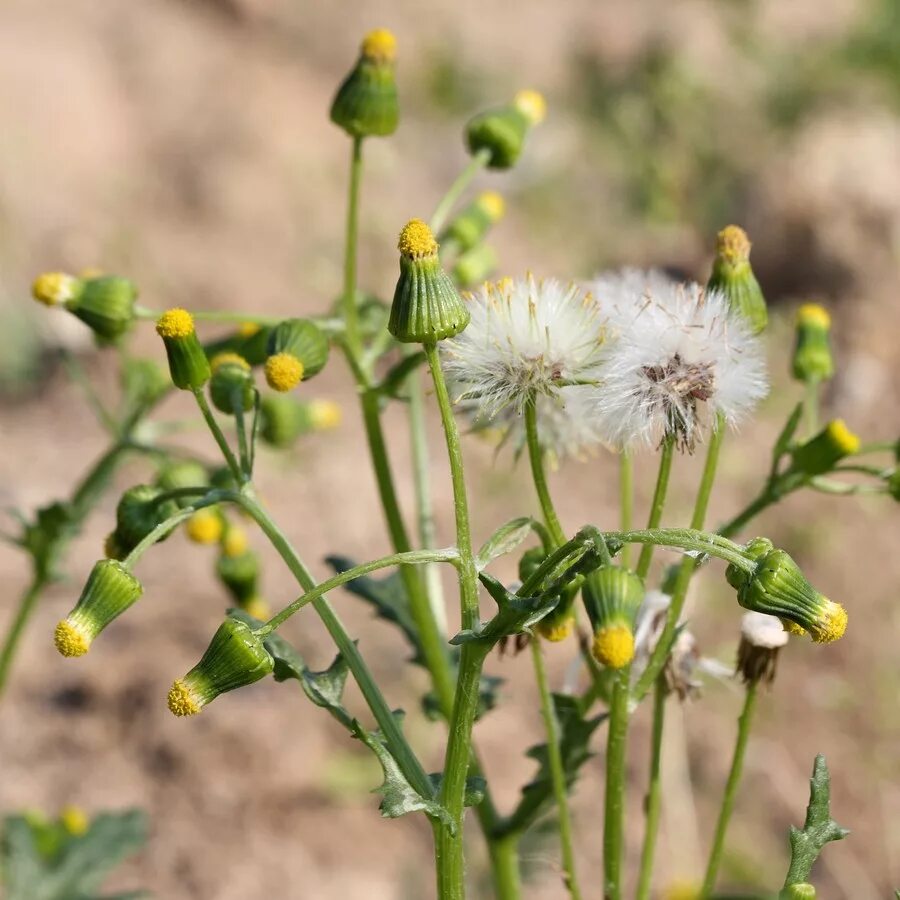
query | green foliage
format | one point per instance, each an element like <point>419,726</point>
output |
<point>45,861</point>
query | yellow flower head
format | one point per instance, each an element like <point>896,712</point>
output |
<point>613,646</point>
<point>379,45</point>
<point>222,359</point>
<point>283,371</point>
<point>71,639</point>
<point>182,700</point>
<point>324,414</point>
<point>54,287</point>
<point>793,628</point>
<point>556,631</point>
<point>258,608</point>
<point>493,205</point>
<point>843,437</point>
<point>831,624</point>
<point>416,240</point>
<point>235,542</point>
<point>247,329</point>
<point>532,105</point>
<point>175,323</point>
<point>815,315</point>
<point>733,245</point>
<point>204,527</point>
<point>74,820</point>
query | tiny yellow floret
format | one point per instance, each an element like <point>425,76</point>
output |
<point>613,646</point>
<point>71,639</point>
<point>843,437</point>
<point>175,323</point>
<point>815,315</point>
<point>832,624</point>
<point>556,631</point>
<point>182,700</point>
<point>324,414</point>
<point>224,359</point>
<point>235,542</point>
<point>792,627</point>
<point>248,329</point>
<point>416,240</point>
<point>493,205</point>
<point>204,527</point>
<point>54,287</point>
<point>283,372</point>
<point>379,44</point>
<point>733,245</point>
<point>532,105</point>
<point>258,608</point>
<point>74,819</point>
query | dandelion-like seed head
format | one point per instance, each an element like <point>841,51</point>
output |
<point>182,700</point>
<point>763,631</point>
<point>175,323</point>
<point>283,371</point>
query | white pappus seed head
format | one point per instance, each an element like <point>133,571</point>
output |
<point>676,358</point>
<point>763,631</point>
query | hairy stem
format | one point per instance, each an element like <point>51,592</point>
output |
<point>614,805</point>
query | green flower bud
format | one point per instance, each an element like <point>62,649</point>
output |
<point>777,587</point>
<point>109,591</point>
<point>297,350</point>
<point>250,341</point>
<point>188,364</point>
<point>239,574</point>
<point>812,359</point>
<point>366,102</point>
<point>235,657</point>
<point>821,453</point>
<point>105,305</point>
<point>474,222</point>
<point>182,474</point>
<point>426,307</point>
<point>231,386</point>
<point>755,550</point>
<point>144,382</point>
<point>733,276</point>
<point>283,418</point>
<point>475,266</point>
<point>616,594</point>
<point>502,131</point>
<point>137,514</point>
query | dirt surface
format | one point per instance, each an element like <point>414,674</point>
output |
<point>187,145</point>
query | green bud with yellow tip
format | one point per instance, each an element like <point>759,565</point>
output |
<point>821,453</point>
<point>231,387</point>
<point>612,597</point>
<point>235,658</point>
<point>733,276</point>
<point>188,364</point>
<point>812,360</point>
<point>104,303</point>
<point>473,223</point>
<point>427,307</point>
<point>297,350</point>
<point>109,591</point>
<point>366,102</point>
<point>777,587</point>
<point>501,133</point>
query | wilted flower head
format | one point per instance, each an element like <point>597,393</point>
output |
<point>678,357</point>
<point>762,637</point>
<point>526,337</point>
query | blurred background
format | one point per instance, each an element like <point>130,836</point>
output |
<point>186,144</point>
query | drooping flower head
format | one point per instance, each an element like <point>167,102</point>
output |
<point>677,357</point>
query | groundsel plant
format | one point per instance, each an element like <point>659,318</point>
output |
<point>628,362</point>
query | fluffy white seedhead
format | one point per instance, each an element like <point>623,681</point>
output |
<point>763,631</point>
<point>528,337</point>
<point>676,358</point>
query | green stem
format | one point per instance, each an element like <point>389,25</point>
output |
<point>626,499</point>
<point>447,202</point>
<point>396,742</point>
<point>731,786</point>
<point>614,807</point>
<point>243,446</point>
<point>658,503</point>
<point>686,569</point>
<point>351,320</point>
<point>505,867</point>
<point>557,769</point>
<point>689,539</point>
<point>216,432</point>
<point>536,458</point>
<point>14,634</point>
<point>811,407</point>
<point>753,509</point>
<point>654,792</point>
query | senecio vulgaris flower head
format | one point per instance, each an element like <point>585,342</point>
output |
<point>678,357</point>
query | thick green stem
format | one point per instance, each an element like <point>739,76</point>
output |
<point>396,742</point>
<point>17,626</point>
<point>731,786</point>
<point>536,458</point>
<point>614,807</point>
<point>476,164</point>
<point>351,319</point>
<point>654,792</point>
<point>557,769</point>
<point>658,504</point>
<point>626,499</point>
